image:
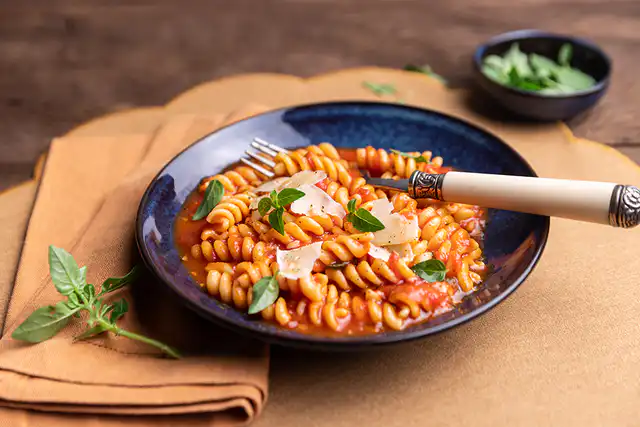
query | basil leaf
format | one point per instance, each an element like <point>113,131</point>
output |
<point>338,264</point>
<point>542,65</point>
<point>65,273</point>
<point>364,221</point>
<point>288,196</point>
<point>114,283</point>
<point>265,293</point>
<point>494,74</point>
<point>276,221</point>
<point>44,323</point>
<point>91,332</point>
<point>518,61</point>
<point>380,89</point>
<point>432,270</point>
<point>564,56</point>
<point>351,206</point>
<point>264,205</point>
<point>118,310</point>
<point>575,79</point>
<point>425,69</point>
<point>212,196</point>
<point>496,62</point>
<point>418,159</point>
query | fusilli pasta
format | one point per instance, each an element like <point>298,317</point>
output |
<point>355,282</point>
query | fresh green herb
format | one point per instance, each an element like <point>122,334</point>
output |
<point>418,159</point>
<point>338,264</point>
<point>212,196</point>
<point>564,56</point>
<point>362,219</point>
<point>288,196</point>
<point>432,270</point>
<point>44,323</point>
<point>265,293</point>
<point>112,284</point>
<point>276,221</point>
<point>71,281</point>
<point>425,69</point>
<point>380,89</point>
<point>537,73</point>
<point>351,205</point>
<point>264,206</point>
<point>278,201</point>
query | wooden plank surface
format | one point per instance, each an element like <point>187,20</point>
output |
<point>64,62</point>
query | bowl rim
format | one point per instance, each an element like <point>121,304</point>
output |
<point>337,343</point>
<point>514,36</point>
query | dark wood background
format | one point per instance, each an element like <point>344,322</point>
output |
<point>63,62</point>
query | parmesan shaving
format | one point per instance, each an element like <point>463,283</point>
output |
<point>379,253</point>
<point>397,228</point>
<point>274,184</point>
<point>298,263</point>
<point>316,202</point>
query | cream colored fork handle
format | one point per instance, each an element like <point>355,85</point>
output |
<point>579,200</point>
<point>599,202</point>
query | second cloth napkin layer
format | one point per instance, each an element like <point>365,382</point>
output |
<point>86,204</point>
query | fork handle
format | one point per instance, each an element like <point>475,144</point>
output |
<point>598,202</point>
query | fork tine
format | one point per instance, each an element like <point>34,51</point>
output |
<point>262,159</point>
<point>264,149</point>
<point>257,167</point>
<point>271,146</point>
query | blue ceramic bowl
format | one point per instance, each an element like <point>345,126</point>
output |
<point>513,245</point>
<point>586,57</point>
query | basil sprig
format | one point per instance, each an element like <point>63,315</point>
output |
<point>432,270</point>
<point>212,196</point>
<point>71,281</point>
<point>278,201</point>
<point>265,293</point>
<point>418,159</point>
<point>362,219</point>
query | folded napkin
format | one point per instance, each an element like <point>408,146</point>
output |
<point>16,208</point>
<point>86,204</point>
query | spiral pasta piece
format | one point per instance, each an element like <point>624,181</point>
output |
<point>364,274</point>
<point>398,165</point>
<point>237,179</point>
<point>298,230</point>
<point>230,210</point>
<point>344,248</point>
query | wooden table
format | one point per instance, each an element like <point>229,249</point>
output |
<point>64,62</point>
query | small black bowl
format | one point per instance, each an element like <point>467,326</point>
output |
<point>586,57</point>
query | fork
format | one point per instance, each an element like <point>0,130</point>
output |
<point>265,148</point>
<point>598,202</point>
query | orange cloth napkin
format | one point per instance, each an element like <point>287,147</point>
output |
<point>87,203</point>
